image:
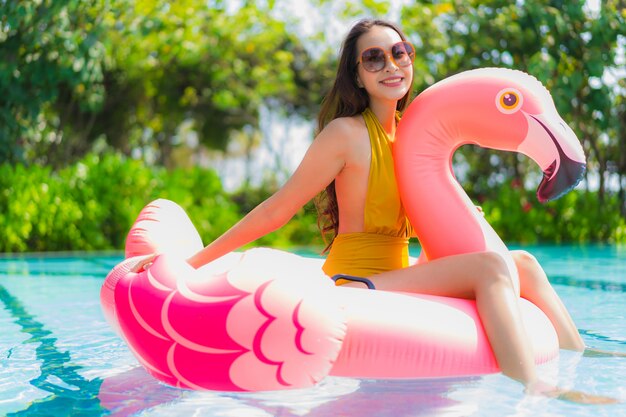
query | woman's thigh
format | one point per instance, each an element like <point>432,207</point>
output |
<point>453,276</point>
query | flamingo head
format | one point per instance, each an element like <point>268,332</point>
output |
<point>548,140</point>
<point>511,110</point>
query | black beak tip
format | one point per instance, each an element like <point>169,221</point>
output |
<point>568,176</point>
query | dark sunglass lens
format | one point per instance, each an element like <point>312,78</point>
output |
<point>403,53</point>
<point>373,59</point>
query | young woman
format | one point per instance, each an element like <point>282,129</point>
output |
<point>351,160</point>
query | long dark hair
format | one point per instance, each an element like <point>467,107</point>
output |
<point>346,99</point>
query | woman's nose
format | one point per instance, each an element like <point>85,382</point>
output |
<point>390,65</point>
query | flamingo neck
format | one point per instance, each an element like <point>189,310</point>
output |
<point>448,222</point>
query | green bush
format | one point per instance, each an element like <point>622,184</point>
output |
<point>579,216</point>
<point>92,204</point>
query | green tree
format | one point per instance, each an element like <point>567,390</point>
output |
<point>196,61</point>
<point>131,72</point>
<point>51,62</point>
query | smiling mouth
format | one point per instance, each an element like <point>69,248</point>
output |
<point>392,81</point>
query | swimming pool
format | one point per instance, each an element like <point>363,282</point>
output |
<point>59,357</point>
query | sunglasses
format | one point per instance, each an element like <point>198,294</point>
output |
<point>374,59</point>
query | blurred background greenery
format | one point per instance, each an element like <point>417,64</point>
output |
<point>108,104</point>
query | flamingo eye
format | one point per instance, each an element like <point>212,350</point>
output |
<point>509,100</point>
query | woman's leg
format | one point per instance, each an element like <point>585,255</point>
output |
<point>536,288</point>
<point>485,278</point>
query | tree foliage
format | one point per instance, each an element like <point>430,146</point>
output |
<point>193,60</point>
<point>51,65</point>
<point>142,69</point>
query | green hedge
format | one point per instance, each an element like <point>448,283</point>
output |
<point>579,216</point>
<point>92,204</point>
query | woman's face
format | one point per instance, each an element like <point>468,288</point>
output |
<point>392,82</point>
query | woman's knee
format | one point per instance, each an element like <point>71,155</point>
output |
<point>495,269</point>
<point>531,274</point>
<point>524,259</point>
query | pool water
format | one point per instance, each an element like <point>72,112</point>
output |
<point>60,358</point>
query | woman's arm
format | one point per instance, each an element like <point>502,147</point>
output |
<point>322,162</point>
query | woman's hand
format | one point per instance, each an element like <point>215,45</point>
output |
<point>144,263</point>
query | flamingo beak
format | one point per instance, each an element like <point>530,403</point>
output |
<point>568,168</point>
<point>557,150</point>
<point>555,184</point>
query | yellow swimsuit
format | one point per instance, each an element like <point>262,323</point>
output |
<point>383,246</point>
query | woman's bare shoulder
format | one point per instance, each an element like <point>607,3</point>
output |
<point>348,123</point>
<point>348,128</point>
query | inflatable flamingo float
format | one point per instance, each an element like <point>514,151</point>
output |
<point>266,319</point>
